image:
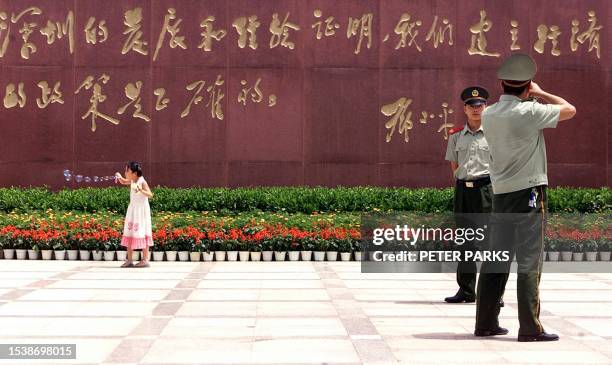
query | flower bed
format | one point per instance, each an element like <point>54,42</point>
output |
<point>249,235</point>
<point>182,233</point>
<point>577,245</point>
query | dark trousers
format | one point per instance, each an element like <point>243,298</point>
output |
<point>476,199</point>
<point>522,235</point>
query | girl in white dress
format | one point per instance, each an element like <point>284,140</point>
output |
<point>137,232</point>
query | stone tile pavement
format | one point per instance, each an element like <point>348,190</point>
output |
<point>285,313</point>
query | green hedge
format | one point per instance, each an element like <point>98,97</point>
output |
<point>288,199</point>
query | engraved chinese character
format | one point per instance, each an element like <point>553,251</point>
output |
<point>132,91</point>
<point>208,34</point>
<point>196,98</point>
<point>363,26</point>
<point>172,29</point>
<point>424,116</point>
<point>27,48</point>
<point>400,117</point>
<point>247,30</point>
<point>57,30</point>
<point>437,33</point>
<point>97,97</point>
<point>330,25</point>
<point>405,28</point>
<point>92,34</point>
<point>280,32</point>
<point>478,43</point>
<point>514,35</point>
<point>592,34</point>
<point>544,34</point>
<point>11,99</point>
<point>215,98</point>
<point>256,94</point>
<point>132,19</point>
<point>5,31</point>
<point>49,95</point>
<point>161,102</point>
<point>445,124</point>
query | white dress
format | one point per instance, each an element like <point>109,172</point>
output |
<point>137,232</point>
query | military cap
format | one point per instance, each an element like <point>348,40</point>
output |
<point>475,95</point>
<point>517,70</point>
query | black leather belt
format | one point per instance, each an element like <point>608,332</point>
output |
<point>475,183</point>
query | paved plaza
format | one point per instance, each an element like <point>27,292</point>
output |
<point>285,313</point>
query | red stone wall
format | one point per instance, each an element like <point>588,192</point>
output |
<point>326,127</point>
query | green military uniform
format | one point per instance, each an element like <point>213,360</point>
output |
<point>473,192</point>
<point>514,131</point>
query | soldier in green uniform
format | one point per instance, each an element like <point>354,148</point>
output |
<point>468,153</point>
<point>514,130</point>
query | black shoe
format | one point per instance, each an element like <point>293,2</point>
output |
<point>496,332</point>
<point>459,298</point>
<point>539,337</point>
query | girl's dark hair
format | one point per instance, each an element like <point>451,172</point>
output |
<point>135,167</point>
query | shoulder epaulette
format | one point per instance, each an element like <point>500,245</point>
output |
<point>455,129</point>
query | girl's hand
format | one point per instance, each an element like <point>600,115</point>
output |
<point>146,191</point>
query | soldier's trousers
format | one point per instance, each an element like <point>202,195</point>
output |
<point>476,199</point>
<point>522,234</point>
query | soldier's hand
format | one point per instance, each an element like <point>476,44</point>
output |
<point>535,89</point>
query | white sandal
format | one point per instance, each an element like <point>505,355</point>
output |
<point>142,264</point>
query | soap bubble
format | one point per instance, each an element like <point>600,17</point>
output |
<point>70,176</point>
